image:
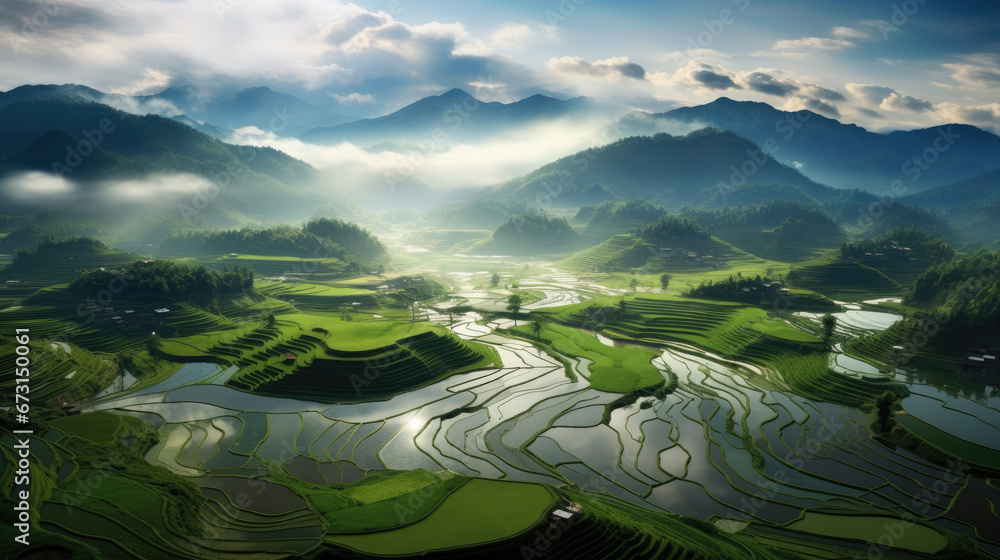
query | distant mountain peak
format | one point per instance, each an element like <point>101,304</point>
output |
<point>256,91</point>
<point>456,93</point>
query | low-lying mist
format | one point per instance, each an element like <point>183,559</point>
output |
<point>441,165</point>
<point>159,193</point>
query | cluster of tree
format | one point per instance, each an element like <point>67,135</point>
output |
<point>919,242</point>
<point>614,217</point>
<point>734,285</point>
<point>160,280</point>
<point>967,285</point>
<point>323,238</point>
<point>50,244</point>
<point>415,288</point>
<point>677,230</point>
<point>788,218</point>
<point>32,233</point>
<point>658,391</point>
<point>355,239</point>
<point>534,226</point>
<point>879,218</point>
<point>281,240</point>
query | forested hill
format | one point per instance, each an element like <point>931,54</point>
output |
<point>609,217</point>
<point>327,237</point>
<point>86,141</point>
<point>153,282</point>
<point>967,287</point>
<point>669,170</point>
<point>775,229</point>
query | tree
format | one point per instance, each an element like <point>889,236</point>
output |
<point>536,328</point>
<point>884,405</point>
<point>514,304</point>
<point>632,284</point>
<point>270,319</point>
<point>665,281</point>
<point>621,305</point>
<point>494,280</point>
<point>411,303</point>
<point>829,325</point>
<point>124,362</point>
<point>153,343</point>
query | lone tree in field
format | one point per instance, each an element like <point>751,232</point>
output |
<point>153,344</point>
<point>632,285</point>
<point>829,325</point>
<point>494,280</point>
<point>514,304</point>
<point>411,304</point>
<point>536,328</point>
<point>883,408</point>
<point>665,281</point>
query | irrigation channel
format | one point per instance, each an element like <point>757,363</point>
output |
<point>529,422</point>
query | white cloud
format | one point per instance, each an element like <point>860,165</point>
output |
<point>979,72</point>
<point>902,102</point>
<point>849,33</point>
<point>869,94</point>
<point>154,106</point>
<point>447,167</point>
<point>768,80</point>
<point>35,186</point>
<point>513,36</point>
<point>153,80</point>
<point>820,43</point>
<point>701,75</point>
<point>886,98</point>
<point>986,116</point>
<point>155,187</point>
<point>353,98</point>
<point>611,70</point>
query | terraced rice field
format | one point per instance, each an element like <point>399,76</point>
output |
<point>727,444</point>
<point>749,436</point>
<point>301,268</point>
<point>512,509</point>
<point>832,276</point>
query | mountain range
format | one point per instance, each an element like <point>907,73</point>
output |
<point>750,152</point>
<point>457,116</point>
<point>838,154</point>
<point>669,170</point>
<point>92,144</point>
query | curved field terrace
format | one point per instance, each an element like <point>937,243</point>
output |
<point>734,441</point>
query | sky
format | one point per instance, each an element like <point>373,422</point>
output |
<point>896,64</point>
